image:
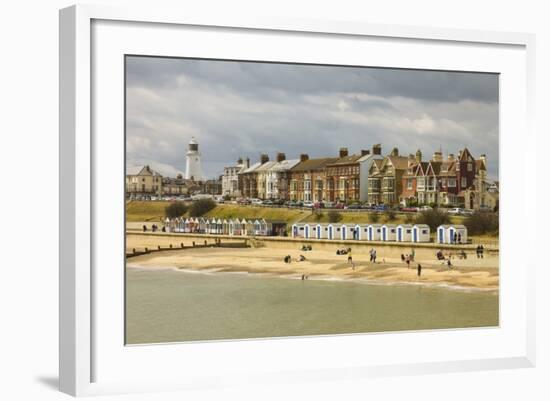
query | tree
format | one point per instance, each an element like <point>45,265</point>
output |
<point>201,207</point>
<point>334,216</point>
<point>390,215</point>
<point>482,223</point>
<point>434,218</point>
<point>175,209</point>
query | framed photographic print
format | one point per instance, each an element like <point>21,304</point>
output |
<point>275,200</point>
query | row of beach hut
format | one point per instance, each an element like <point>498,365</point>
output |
<point>234,227</point>
<point>379,232</point>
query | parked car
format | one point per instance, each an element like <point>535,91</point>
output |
<point>381,208</point>
<point>339,206</point>
<point>319,205</point>
<point>456,211</point>
<point>355,206</point>
<point>255,201</point>
<point>413,209</point>
<point>267,202</point>
<point>425,208</point>
<point>328,205</point>
<point>308,204</point>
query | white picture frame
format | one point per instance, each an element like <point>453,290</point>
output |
<point>87,347</point>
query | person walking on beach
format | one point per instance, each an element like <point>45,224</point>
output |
<point>144,228</point>
<point>419,270</point>
<point>408,261</point>
<point>371,253</point>
<point>481,251</point>
<point>374,256</point>
<point>449,265</point>
<point>350,259</point>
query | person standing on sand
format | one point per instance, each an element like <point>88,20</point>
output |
<point>419,269</point>
<point>408,260</point>
<point>374,256</point>
<point>481,251</point>
<point>350,259</point>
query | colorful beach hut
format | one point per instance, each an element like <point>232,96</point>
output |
<point>452,234</point>
<point>389,232</point>
<point>331,231</point>
<point>421,233</point>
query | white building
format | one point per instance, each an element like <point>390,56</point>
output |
<point>193,170</point>
<point>230,178</point>
<point>365,163</point>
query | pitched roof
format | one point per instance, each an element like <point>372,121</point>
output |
<point>314,164</point>
<point>480,165</point>
<point>266,166</point>
<point>141,170</point>
<point>251,169</point>
<point>346,160</point>
<point>285,165</point>
<point>399,162</point>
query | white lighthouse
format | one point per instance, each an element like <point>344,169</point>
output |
<point>193,169</point>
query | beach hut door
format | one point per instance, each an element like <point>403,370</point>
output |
<point>330,232</point>
<point>399,232</point>
<point>415,234</point>
<point>295,231</point>
<point>440,235</point>
<point>370,233</point>
<point>384,233</point>
<point>307,231</point>
<point>318,232</point>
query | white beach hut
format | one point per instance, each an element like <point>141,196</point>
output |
<point>421,233</point>
<point>244,229</point>
<point>321,231</point>
<point>225,226</point>
<point>404,233</point>
<point>298,230</point>
<point>331,231</point>
<point>374,232</point>
<point>202,225</point>
<point>309,230</point>
<point>389,232</point>
<point>442,234</point>
<point>458,234</point>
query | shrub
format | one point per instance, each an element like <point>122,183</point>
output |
<point>318,215</point>
<point>201,207</point>
<point>482,223</point>
<point>434,218</point>
<point>409,218</point>
<point>390,215</point>
<point>334,216</point>
<point>374,217</point>
<point>176,209</point>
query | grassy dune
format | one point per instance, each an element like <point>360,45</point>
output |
<point>154,211</point>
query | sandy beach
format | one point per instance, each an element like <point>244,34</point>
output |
<point>470,273</point>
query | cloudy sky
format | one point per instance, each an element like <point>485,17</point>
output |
<point>242,109</point>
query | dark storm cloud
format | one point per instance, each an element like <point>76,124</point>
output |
<point>242,109</point>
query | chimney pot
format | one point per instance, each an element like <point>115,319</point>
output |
<point>281,157</point>
<point>395,152</point>
<point>304,157</point>
<point>377,149</point>
<point>343,152</point>
<point>365,152</point>
<point>264,158</point>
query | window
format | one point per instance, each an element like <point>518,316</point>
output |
<point>463,182</point>
<point>409,183</point>
<point>470,167</point>
<point>451,183</point>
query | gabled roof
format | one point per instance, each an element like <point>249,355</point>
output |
<point>434,168</point>
<point>465,155</point>
<point>480,165</point>
<point>142,170</point>
<point>313,164</point>
<point>399,162</point>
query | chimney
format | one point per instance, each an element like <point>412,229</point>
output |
<point>418,156</point>
<point>451,157</point>
<point>365,152</point>
<point>247,162</point>
<point>343,152</point>
<point>240,160</point>
<point>437,157</point>
<point>484,158</point>
<point>394,152</point>
<point>281,157</point>
<point>264,158</point>
<point>377,149</point>
<point>304,157</point>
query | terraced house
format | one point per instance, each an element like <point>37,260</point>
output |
<point>308,179</point>
<point>444,182</point>
<point>342,182</point>
<point>385,179</point>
